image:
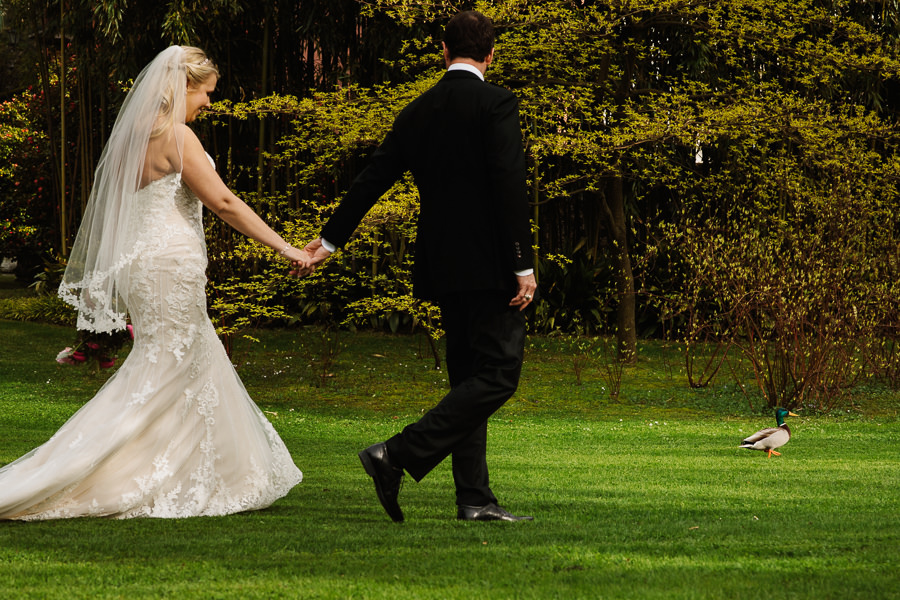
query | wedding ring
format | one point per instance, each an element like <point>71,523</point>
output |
<point>527,297</point>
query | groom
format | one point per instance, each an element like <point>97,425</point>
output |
<point>462,142</point>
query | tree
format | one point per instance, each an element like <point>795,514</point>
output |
<point>82,55</point>
<point>722,171</point>
<point>628,102</point>
<point>738,121</point>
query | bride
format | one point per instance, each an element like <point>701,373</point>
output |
<point>173,433</point>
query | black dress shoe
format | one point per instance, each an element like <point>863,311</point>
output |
<point>488,512</point>
<point>386,476</point>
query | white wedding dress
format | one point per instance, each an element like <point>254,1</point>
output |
<point>173,433</point>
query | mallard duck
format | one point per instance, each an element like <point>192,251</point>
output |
<point>771,437</point>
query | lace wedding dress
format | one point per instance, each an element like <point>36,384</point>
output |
<point>173,433</point>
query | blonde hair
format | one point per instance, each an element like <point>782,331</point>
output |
<point>198,68</point>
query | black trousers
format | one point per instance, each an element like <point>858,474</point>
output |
<point>485,346</point>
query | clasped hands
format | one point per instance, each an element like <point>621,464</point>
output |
<point>304,262</point>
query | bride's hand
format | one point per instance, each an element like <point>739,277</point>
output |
<point>316,254</point>
<point>299,258</point>
<point>301,262</point>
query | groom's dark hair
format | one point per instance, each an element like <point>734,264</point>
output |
<point>469,34</point>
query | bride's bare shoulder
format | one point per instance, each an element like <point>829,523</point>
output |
<point>187,134</point>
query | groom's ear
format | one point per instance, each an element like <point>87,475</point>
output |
<point>446,54</point>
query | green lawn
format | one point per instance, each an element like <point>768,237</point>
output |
<point>647,496</point>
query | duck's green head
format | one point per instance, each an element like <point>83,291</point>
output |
<point>781,413</point>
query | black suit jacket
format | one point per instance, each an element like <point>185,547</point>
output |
<point>462,142</point>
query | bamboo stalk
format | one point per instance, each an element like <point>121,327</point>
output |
<point>63,229</point>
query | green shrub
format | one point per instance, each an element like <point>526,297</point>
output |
<point>40,309</point>
<point>26,212</point>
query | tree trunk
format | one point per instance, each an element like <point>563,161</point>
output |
<point>536,210</point>
<point>613,202</point>
<point>40,24</point>
<point>63,229</point>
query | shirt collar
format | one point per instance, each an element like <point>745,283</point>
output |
<point>466,67</point>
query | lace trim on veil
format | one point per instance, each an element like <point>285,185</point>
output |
<point>99,310</point>
<point>97,276</point>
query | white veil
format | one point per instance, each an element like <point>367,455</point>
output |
<point>107,242</point>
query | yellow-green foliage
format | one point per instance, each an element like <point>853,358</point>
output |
<point>369,280</point>
<point>765,126</point>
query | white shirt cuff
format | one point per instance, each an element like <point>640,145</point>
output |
<point>524,273</point>
<point>328,245</point>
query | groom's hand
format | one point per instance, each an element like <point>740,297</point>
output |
<point>525,293</point>
<point>302,265</point>
<point>315,255</point>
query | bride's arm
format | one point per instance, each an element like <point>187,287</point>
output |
<point>203,180</point>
